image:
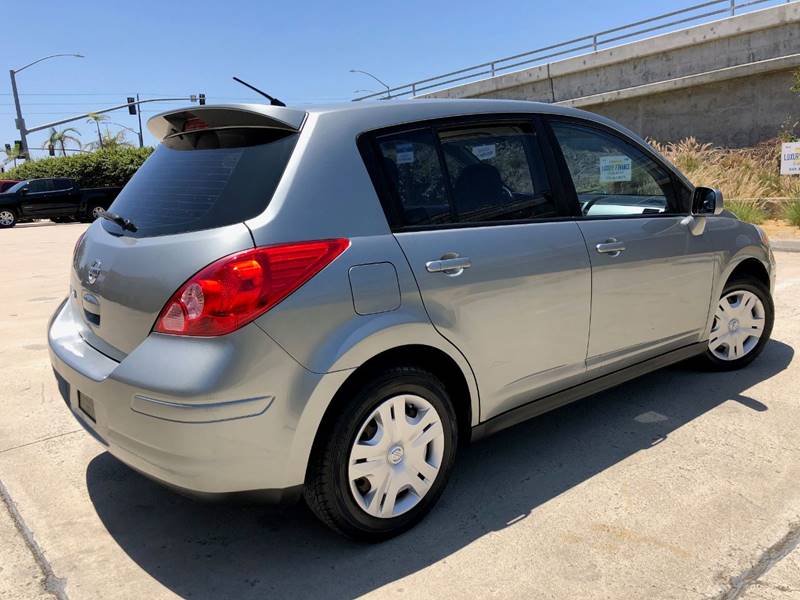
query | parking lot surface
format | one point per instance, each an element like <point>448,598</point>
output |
<point>682,484</point>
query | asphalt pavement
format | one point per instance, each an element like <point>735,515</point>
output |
<point>682,484</point>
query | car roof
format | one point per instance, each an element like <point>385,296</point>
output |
<point>364,116</point>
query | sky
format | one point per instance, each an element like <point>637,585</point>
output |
<point>296,50</point>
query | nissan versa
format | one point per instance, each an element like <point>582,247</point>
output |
<point>328,302</point>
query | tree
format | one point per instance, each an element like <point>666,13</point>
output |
<point>109,141</point>
<point>60,138</point>
<point>13,154</point>
<point>97,119</point>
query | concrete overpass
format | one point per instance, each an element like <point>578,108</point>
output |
<point>726,82</point>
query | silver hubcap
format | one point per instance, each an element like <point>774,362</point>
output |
<point>6,217</point>
<point>396,456</point>
<point>738,325</point>
<point>97,211</point>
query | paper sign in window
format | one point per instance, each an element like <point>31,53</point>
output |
<point>404,153</point>
<point>615,168</point>
<point>485,151</point>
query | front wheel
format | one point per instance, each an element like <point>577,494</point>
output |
<point>7,218</point>
<point>742,325</point>
<point>383,462</point>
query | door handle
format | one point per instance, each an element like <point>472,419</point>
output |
<point>449,266</point>
<point>611,246</point>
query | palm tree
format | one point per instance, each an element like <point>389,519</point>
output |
<point>97,119</point>
<point>61,138</point>
<point>109,141</point>
<point>13,154</point>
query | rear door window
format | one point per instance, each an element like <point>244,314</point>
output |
<point>202,180</point>
<point>480,173</point>
<point>62,184</point>
<point>496,174</point>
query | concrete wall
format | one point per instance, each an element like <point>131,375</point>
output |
<point>725,82</point>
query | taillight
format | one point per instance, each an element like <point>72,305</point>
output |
<point>236,289</point>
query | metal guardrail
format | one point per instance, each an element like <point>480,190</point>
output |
<point>595,41</point>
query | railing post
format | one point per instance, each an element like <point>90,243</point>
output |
<point>492,66</point>
<point>733,8</point>
<point>594,42</point>
<point>413,90</point>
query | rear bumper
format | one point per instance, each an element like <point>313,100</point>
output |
<point>205,415</point>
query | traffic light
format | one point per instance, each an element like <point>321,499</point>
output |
<point>202,98</point>
<point>51,149</point>
<point>131,105</point>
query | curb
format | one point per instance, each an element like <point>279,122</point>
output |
<point>785,245</point>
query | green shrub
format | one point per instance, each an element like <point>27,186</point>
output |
<point>792,212</point>
<point>91,169</point>
<point>749,211</point>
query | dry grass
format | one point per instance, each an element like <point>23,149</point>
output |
<point>741,174</point>
<point>791,212</point>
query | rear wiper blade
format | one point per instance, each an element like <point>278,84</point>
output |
<point>126,224</point>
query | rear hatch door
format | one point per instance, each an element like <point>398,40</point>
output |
<point>216,168</point>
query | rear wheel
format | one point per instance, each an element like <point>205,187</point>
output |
<point>742,325</point>
<point>8,218</point>
<point>381,465</point>
<point>94,212</point>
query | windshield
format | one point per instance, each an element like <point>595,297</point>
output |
<point>16,187</point>
<point>202,180</point>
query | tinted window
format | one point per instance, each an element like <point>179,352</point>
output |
<point>496,174</point>
<point>412,171</point>
<point>612,177</point>
<point>205,179</point>
<point>63,184</point>
<point>17,187</point>
<point>40,185</point>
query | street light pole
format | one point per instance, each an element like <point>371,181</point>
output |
<point>368,74</point>
<point>20,122</point>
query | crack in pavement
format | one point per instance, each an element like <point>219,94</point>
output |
<point>769,558</point>
<point>52,437</point>
<point>52,584</point>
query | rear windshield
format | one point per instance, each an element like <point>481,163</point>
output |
<point>202,180</point>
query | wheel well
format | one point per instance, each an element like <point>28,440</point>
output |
<point>427,357</point>
<point>750,268</point>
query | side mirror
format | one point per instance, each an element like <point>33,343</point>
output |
<point>707,201</point>
<point>23,191</point>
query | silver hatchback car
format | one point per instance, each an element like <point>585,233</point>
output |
<point>328,302</point>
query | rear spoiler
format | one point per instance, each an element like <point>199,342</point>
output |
<point>234,115</point>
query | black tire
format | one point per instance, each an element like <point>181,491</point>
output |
<point>327,489</point>
<point>8,218</point>
<point>89,217</point>
<point>709,361</point>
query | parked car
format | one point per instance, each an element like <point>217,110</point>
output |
<point>57,198</point>
<point>329,302</point>
<point>7,183</point>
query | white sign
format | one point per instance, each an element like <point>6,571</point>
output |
<point>790,158</point>
<point>404,153</point>
<point>485,152</point>
<point>615,168</point>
